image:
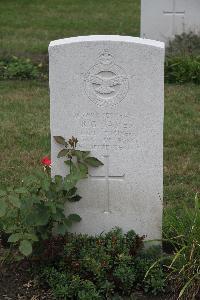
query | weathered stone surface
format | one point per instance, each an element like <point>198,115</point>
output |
<point>162,19</point>
<point>108,92</point>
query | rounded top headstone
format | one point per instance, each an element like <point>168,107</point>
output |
<point>112,38</point>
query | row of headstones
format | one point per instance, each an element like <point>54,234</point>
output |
<point>108,91</point>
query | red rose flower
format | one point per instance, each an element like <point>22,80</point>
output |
<point>46,161</point>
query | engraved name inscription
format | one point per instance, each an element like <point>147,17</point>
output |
<point>109,131</point>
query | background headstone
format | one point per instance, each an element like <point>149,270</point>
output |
<point>163,19</point>
<point>108,92</point>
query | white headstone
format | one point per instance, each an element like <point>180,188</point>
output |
<point>163,19</point>
<point>108,92</point>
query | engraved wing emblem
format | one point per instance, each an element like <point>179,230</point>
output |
<point>105,85</point>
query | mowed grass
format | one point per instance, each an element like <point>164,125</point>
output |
<point>181,143</point>
<point>27,27</point>
<point>24,129</point>
<point>25,136</point>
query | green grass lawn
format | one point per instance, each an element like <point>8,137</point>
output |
<point>24,123</point>
<point>27,27</point>
<point>181,143</point>
<point>25,136</point>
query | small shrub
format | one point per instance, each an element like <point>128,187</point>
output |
<point>150,270</point>
<point>125,274</point>
<point>65,287</point>
<point>182,69</point>
<point>20,68</point>
<point>155,282</point>
<point>182,63</point>
<point>107,265</point>
<point>184,45</point>
<point>33,212</point>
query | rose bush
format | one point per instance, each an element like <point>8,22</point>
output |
<point>31,213</point>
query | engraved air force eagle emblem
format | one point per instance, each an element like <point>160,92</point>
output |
<point>106,83</point>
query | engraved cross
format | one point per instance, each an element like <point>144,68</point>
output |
<point>107,179</point>
<point>174,13</point>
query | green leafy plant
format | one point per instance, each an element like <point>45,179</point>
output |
<point>182,69</point>
<point>150,270</point>
<point>65,287</point>
<point>77,160</point>
<point>185,44</point>
<point>34,211</point>
<point>155,282</point>
<point>125,274</point>
<point>20,68</point>
<point>182,230</point>
<point>182,62</point>
<point>110,263</point>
